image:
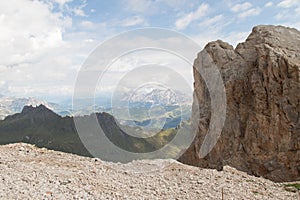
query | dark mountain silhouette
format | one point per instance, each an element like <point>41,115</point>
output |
<point>44,128</point>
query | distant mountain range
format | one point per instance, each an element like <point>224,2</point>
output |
<point>12,105</point>
<point>153,108</point>
<point>44,128</point>
<point>165,97</point>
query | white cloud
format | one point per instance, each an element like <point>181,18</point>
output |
<point>27,30</point>
<point>297,10</point>
<point>241,7</point>
<point>137,5</point>
<point>250,12</point>
<point>269,4</point>
<point>87,24</point>
<point>234,38</point>
<point>246,9</point>
<point>184,21</point>
<point>90,40</point>
<point>211,21</point>
<point>62,2</point>
<point>174,3</point>
<point>79,12</point>
<point>2,83</point>
<point>289,12</point>
<point>280,16</point>
<point>75,9</point>
<point>2,68</point>
<point>127,66</point>
<point>38,56</point>
<point>150,7</point>
<point>288,3</point>
<point>33,91</point>
<point>71,10</point>
<point>133,21</point>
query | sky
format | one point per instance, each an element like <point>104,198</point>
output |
<point>44,43</point>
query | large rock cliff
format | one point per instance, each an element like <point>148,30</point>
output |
<point>261,134</point>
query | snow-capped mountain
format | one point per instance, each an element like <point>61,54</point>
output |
<point>158,96</point>
<point>12,105</point>
<point>146,106</point>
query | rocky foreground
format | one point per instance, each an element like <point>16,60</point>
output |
<point>28,172</point>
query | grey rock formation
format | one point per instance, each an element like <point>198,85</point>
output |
<point>261,135</point>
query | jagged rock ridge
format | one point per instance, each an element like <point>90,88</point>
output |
<point>261,134</point>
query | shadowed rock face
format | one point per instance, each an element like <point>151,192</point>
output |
<point>261,135</point>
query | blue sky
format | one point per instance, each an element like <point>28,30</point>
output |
<point>44,43</point>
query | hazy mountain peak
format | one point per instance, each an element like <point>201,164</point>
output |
<point>40,108</point>
<point>158,96</point>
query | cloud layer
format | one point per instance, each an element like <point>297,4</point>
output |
<point>45,42</point>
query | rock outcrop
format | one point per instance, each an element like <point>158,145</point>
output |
<point>261,134</point>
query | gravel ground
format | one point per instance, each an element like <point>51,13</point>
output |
<point>28,172</point>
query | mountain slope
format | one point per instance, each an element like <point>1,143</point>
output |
<point>44,128</point>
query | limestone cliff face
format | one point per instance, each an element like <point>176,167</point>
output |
<point>261,134</point>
